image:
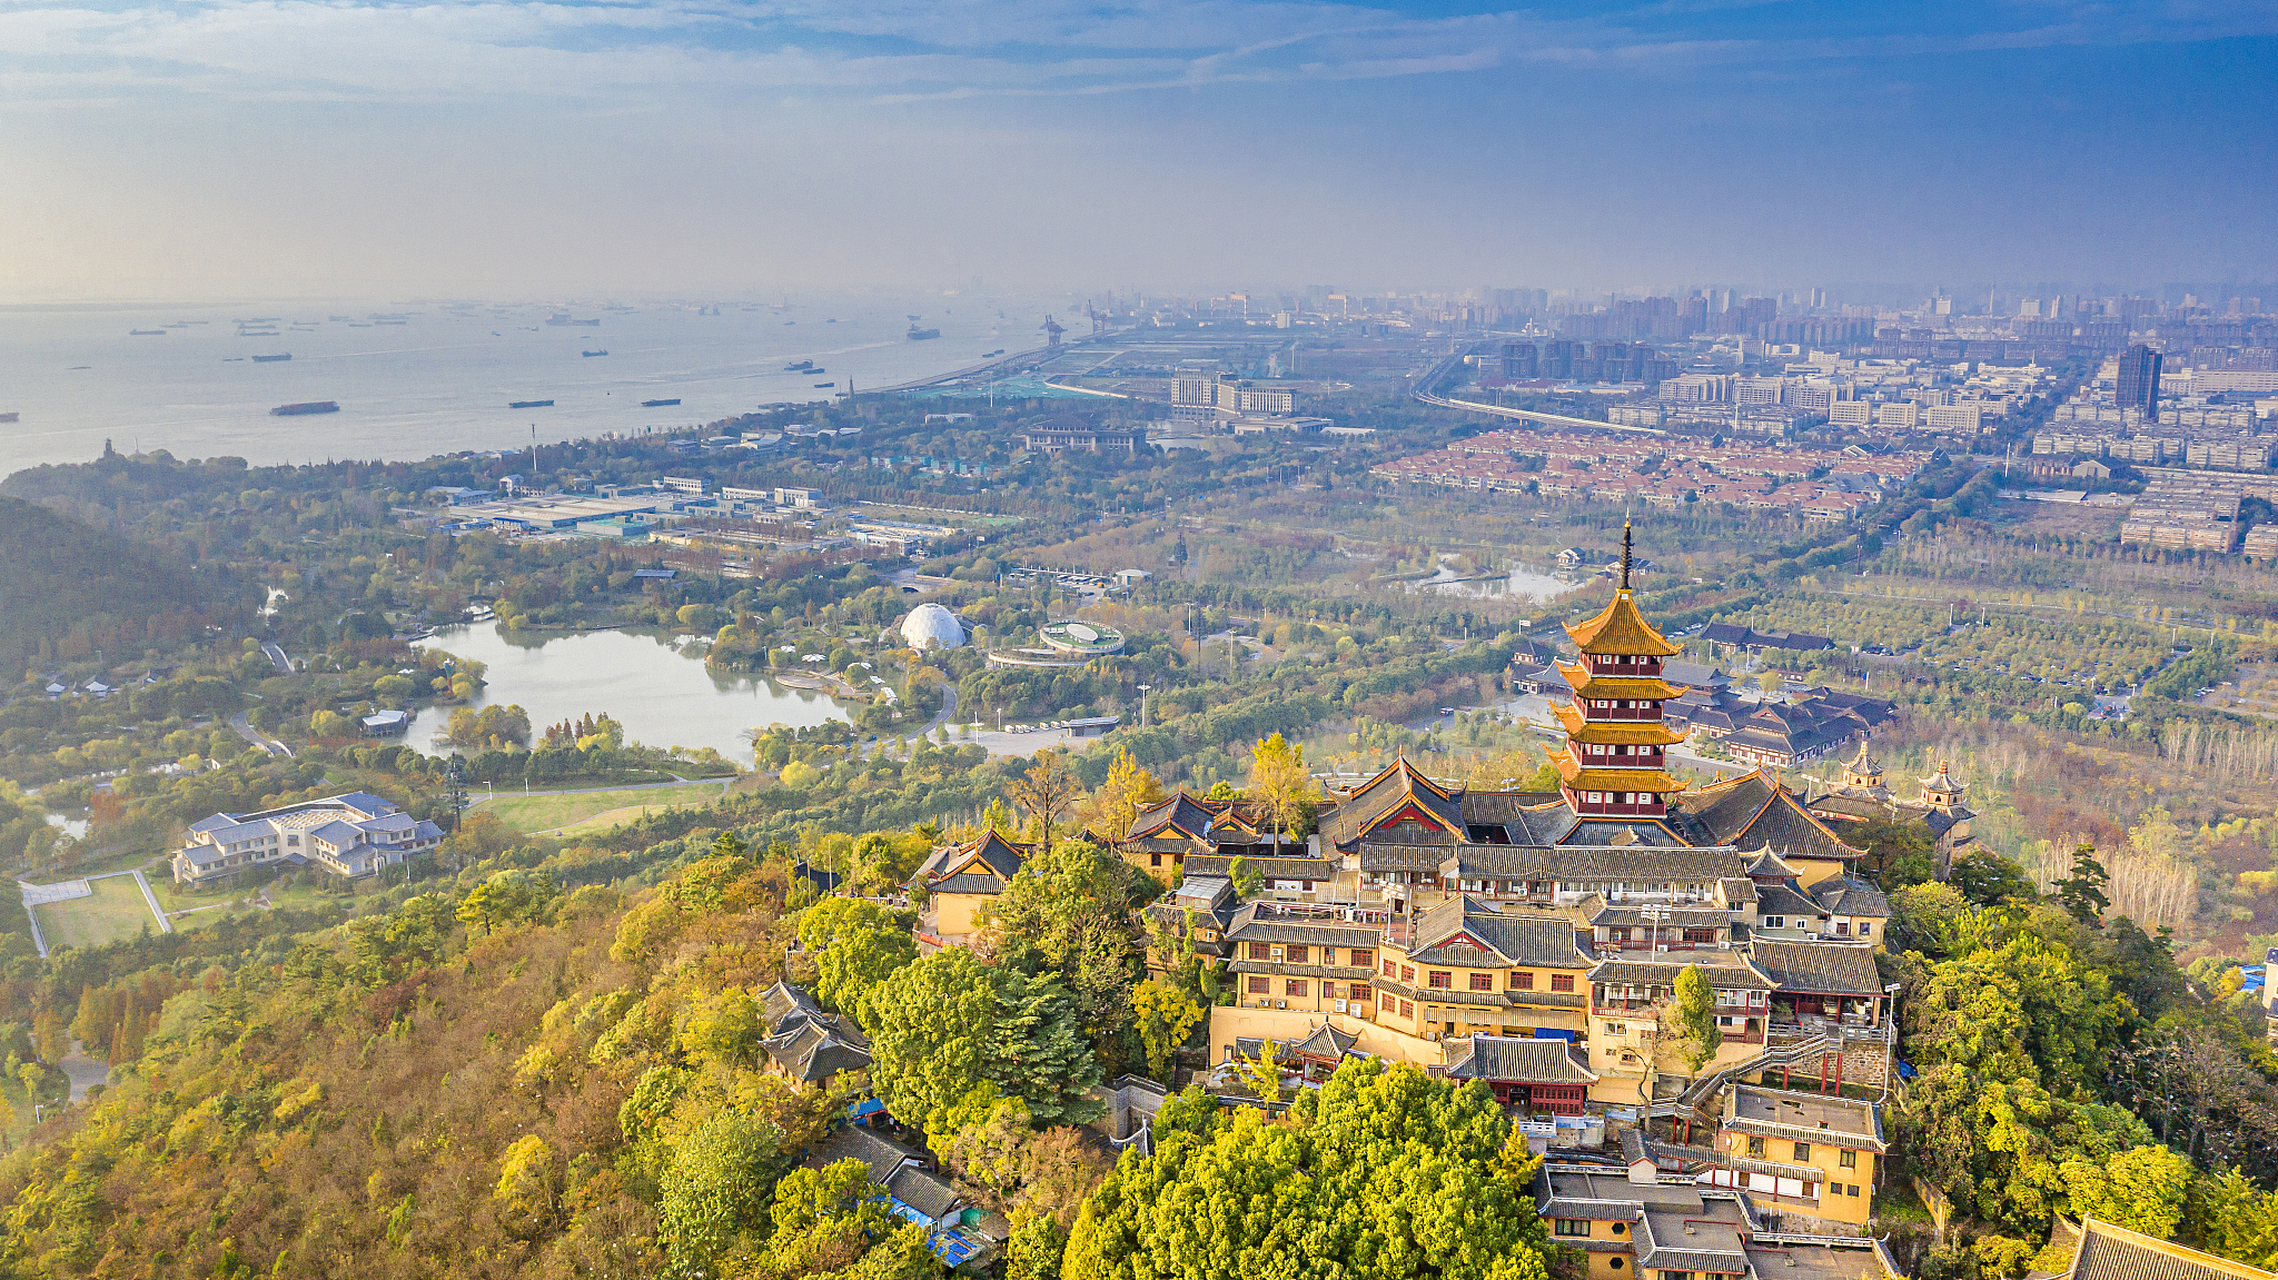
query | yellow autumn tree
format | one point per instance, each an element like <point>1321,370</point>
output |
<point>1281,783</point>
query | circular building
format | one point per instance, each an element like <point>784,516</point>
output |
<point>930,626</point>
<point>1086,639</point>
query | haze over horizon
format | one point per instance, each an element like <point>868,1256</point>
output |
<point>247,148</point>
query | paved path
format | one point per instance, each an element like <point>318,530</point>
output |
<point>85,1072</point>
<point>277,657</point>
<point>164,925</point>
<point>245,730</point>
<point>677,781</point>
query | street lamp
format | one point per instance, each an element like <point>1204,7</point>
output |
<point>1143,704</point>
<point>1653,918</point>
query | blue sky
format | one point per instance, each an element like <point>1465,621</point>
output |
<point>487,145</point>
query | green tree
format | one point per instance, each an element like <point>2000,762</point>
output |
<point>2142,1189</point>
<point>1166,1015</point>
<point>1069,914</point>
<point>713,1195</point>
<point>1693,1032</point>
<point>1382,1174</point>
<point>528,1183</point>
<point>1280,781</point>
<point>935,1035</point>
<point>2082,892</point>
<point>857,944</point>
<point>1989,879</point>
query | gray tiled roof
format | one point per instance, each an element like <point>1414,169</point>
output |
<point>1509,1058</point>
<point>968,883</point>
<point>1843,896</point>
<point>1649,973</point>
<point>2111,1253</point>
<point>1819,968</point>
<point>1538,941</point>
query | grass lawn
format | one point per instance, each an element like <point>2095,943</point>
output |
<point>622,804</point>
<point>115,911</point>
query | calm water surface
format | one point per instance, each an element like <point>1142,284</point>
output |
<point>415,379</point>
<point>663,694</point>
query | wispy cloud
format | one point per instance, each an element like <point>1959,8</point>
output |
<point>903,50</point>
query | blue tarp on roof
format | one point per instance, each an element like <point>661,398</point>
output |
<point>953,1247</point>
<point>866,1107</point>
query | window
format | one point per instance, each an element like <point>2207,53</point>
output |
<point>1442,980</point>
<point>1562,982</point>
<point>1842,928</point>
<point>1570,1226</point>
<point>1407,973</point>
<point>1620,1228</point>
<point>1298,953</point>
<point>1755,1148</point>
<point>1866,930</point>
<point>1676,1275</point>
<point>1258,951</point>
<point>1614,1263</point>
<point>1803,1152</point>
<point>1154,859</point>
<point>1483,982</point>
<point>1854,1189</point>
<point>1293,987</point>
<point>1613,1028</point>
<point>1258,986</point>
<point>1363,958</point>
<point>1407,1010</point>
<point>1389,970</point>
<point>1848,1159</point>
<point>1522,982</point>
<point>1361,993</point>
<point>1700,935</point>
<point>1775,922</point>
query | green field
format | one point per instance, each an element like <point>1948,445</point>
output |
<point>115,911</point>
<point>622,804</point>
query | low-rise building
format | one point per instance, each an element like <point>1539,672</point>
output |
<point>1814,1153</point>
<point>351,835</point>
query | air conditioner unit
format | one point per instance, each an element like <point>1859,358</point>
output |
<point>1277,953</point>
<point>1340,1006</point>
<point>1724,944</point>
<point>1431,1035</point>
<point>1660,946</point>
<point>1281,1004</point>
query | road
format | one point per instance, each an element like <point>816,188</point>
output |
<point>85,1072</point>
<point>246,731</point>
<point>677,781</point>
<point>277,657</point>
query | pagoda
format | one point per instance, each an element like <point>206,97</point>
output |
<point>1614,761</point>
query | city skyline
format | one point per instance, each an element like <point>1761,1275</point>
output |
<point>238,148</point>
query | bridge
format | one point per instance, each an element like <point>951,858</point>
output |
<point>1426,394</point>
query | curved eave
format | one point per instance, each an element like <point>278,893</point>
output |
<point>1648,732</point>
<point>1620,628</point>
<point>1598,778</point>
<point>1587,685</point>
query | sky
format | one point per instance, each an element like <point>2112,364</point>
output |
<point>486,148</point>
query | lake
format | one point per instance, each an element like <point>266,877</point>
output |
<point>660,690</point>
<point>1520,583</point>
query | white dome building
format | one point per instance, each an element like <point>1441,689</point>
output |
<point>930,626</point>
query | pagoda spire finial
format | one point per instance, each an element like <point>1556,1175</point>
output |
<point>1625,555</point>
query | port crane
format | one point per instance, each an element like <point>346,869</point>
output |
<point>1052,331</point>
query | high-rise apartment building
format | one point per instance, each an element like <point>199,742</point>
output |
<point>2139,381</point>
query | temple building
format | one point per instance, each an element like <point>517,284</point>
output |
<point>1616,744</point>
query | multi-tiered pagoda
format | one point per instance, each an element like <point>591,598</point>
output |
<point>1614,760</point>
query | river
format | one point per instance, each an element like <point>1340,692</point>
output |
<point>656,685</point>
<point>417,379</point>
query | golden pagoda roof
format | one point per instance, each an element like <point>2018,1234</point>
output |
<point>1589,685</point>
<point>1599,778</point>
<point>1620,628</point>
<point>1622,731</point>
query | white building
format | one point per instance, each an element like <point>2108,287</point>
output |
<point>350,835</point>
